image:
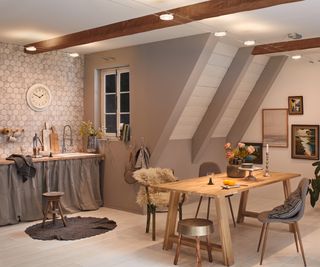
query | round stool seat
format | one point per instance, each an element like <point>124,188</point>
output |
<point>195,227</point>
<point>53,206</point>
<point>53,194</point>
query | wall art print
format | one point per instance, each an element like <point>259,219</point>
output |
<point>257,156</point>
<point>275,127</point>
<point>305,141</point>
<point>295,105</point>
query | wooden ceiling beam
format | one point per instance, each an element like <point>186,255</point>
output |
<point>286,46</point>
<point>182,15</point>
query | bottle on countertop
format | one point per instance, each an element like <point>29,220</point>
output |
<point>35,144</point>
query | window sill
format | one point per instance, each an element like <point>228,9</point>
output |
<point>109,138</point>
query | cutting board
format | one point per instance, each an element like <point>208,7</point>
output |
<point>54,141</point>
<point>46,137</point>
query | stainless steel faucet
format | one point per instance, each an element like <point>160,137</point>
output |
<point>66,136</point>
<point>36,148</point>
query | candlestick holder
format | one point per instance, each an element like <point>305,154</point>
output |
<point>266,170</point>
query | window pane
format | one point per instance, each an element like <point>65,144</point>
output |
<point>125,118</point>
<point>124,102</point>
<point>124,82</point>
<point>111,83</point>
<point>111,123</point>
<point>111,103</point>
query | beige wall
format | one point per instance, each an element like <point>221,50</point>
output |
<point>158,74</point>
<point>62,74</point>
<point>177,155</point>
<point>296,78</point>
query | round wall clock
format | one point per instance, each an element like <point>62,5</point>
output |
<point>38,97</point>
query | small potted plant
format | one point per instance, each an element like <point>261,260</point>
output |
<point>91,134</point>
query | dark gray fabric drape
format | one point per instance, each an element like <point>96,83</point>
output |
<point>7,210</point>
<point>79,179</point>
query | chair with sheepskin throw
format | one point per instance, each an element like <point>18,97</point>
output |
<point>155,199</point>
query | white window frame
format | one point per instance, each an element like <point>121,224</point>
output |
<point>117,72</point>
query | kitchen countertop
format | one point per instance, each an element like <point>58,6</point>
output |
<point>58,156</point>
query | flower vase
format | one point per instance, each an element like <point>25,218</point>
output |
<point>234,172</point>
<point>92,144</point>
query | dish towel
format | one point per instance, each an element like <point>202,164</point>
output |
<point>24,166</point>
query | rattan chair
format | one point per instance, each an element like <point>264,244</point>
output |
<point>204,169</point>
<point>268,217</point>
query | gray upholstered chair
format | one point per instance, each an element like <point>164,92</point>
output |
<point>204,169</point>
<point>290,212</point>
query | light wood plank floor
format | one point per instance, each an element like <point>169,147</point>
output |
<point>129,246</point>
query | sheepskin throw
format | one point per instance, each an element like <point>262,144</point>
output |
<point>153,176</point>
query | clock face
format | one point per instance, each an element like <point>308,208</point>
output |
<point>38,97</point>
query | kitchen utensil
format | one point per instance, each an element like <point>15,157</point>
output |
<point>54,141</point>
<point>46,137</point>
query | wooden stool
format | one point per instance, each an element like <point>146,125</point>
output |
<point>194,227</point>
<point>53,202</point>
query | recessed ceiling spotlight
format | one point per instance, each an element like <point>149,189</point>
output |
<point>73,54</point>
<point>296,57</point>
<point>166,16</point>
<point>31,48</point>
<point>249,42</point>
<point>294,36</point>
<point>220,34</point>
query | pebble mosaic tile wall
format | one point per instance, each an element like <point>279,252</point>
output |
<point>62,74</point>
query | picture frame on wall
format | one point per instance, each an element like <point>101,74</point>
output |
<point>257,155</point>
<point>305,141</point>
<point>295,105</point>
<point>275,127</point>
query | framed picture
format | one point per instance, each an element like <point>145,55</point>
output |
<point>305,141</point>
<point>256,156</point>
<point>275,127</point>
<point>295,105</point>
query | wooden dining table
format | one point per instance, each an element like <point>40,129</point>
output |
<point>200,186</point>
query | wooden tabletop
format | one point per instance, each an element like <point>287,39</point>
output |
<point>199,185</point>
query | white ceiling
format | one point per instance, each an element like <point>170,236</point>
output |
<point>23,22</point>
